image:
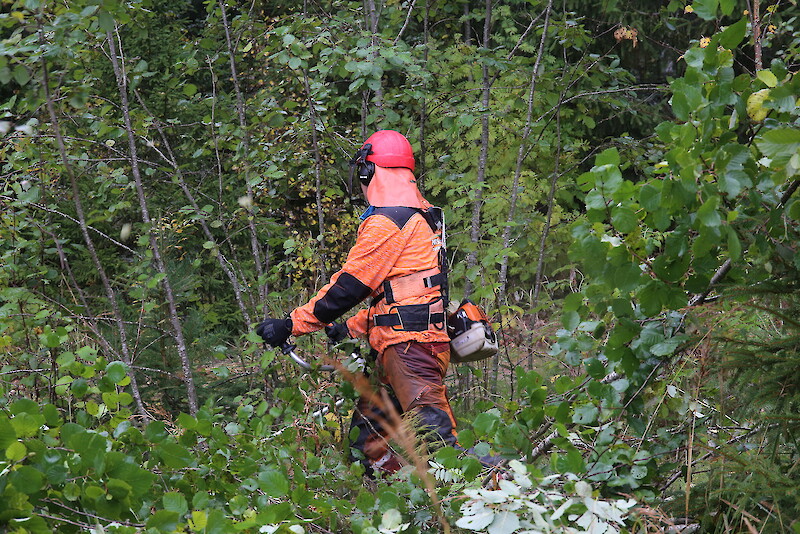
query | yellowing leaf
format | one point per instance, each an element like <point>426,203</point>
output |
<point>16,451</point>
<point>755,108</point>
<point>766,76</point>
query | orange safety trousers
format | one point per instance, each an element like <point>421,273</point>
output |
<point>413,373</point>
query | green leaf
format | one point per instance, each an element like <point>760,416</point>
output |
<point>595,200</point>
<point>730,163</point>
<point>466,438</point>
<point>779,144</point>
<point>562,413</point>
<point>734,245</point>
<point>79,387</point>
<point>156,432</point>
<point>7,433</point>
<point>217,523</point>
<point>585,414</point>
<point>609,156</point>
<point>273,483</point>
<point>486,423</point>
<point>595,368</point>
<point>163,521</point>
<point>651,298</point>
<point>26,480</point>
<point>71,491</point>
<point>706,9</point>
<point>116,371</point>
<point>92,449</point>
<point>106,21</point>
<point>187,421</point>
<point>666,347</point>
<point>671,269</point>
<point>708,214</point>
<point>26,425</point>
<point>733,34</point>
<point>624,219</point>
<point>21,75</point>
<point>767,77</point>
<point>727,7</point>
<point>16,451</point>
<point>626,277</point>
<point>119,489</point>
<point>570,320</point>
<point>174,456</point>
<point>175,502</point>
<point>793,212</point>
<point>650,197</point>
<point>93,492</point>
<point>686,99</point>
<point>139,479</point>
<point>569,462</point>
<point>51,415</point>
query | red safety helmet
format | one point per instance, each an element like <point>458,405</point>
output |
<point>390,149</point>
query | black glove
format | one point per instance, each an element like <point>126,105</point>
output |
<point>337,332</point>
<point>275,331</point>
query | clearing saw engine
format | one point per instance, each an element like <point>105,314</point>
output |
<point>471,335</point>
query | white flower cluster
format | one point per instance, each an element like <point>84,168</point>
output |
<point>518,506</point>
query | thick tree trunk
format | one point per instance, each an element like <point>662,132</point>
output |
<point>756,24</point>
<point>177,328</point>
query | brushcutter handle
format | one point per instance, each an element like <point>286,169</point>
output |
<point>289,350</point>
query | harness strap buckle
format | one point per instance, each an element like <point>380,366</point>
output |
<point>413,317</point>
<point>411,285</point>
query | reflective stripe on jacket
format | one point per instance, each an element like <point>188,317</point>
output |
<point>391,242</point>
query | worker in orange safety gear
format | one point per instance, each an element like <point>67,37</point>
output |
<point>398,261</point>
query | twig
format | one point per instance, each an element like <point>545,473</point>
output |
<point>93,516</point>
<point>721,272</point>
<point>405,24</point>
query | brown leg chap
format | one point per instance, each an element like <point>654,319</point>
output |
<point>415,374</point>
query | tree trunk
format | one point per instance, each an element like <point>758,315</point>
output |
<point>224,264</point>
<point>263,290</point>
<point>423,111</point>
<point>177,329</point>
<point>756,23</point>
<point>372,25</point>
<point>477,202</point>
<point>521,155</point>
<point>548,218</point>
<point>111,295</point>
<point>312,115</point>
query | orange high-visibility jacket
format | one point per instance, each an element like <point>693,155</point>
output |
<point>392,242</point>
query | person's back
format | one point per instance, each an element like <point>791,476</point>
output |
<point>397,261</point>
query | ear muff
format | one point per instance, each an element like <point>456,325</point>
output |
<point>365,172</point>
<point>364,168</point>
